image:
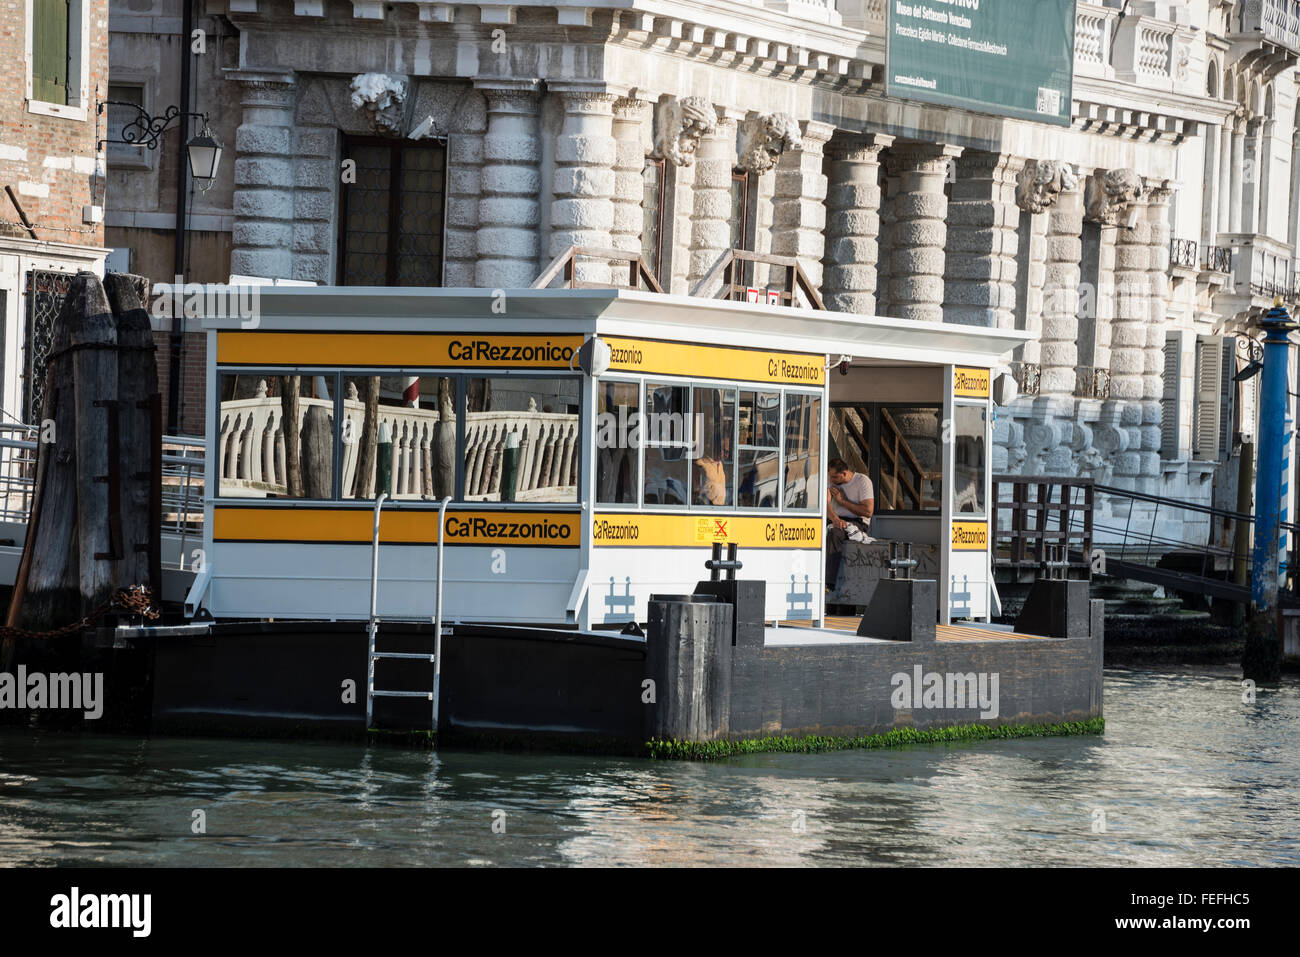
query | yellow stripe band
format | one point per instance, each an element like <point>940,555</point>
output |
<point>614,530</point>
<point>715,362</point>
<point>396,350</point>
<point>396,527</point>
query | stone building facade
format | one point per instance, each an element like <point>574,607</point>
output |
<point>51,183</point>
<point>1135,244</point>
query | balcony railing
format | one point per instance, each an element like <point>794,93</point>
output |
<point>1183,252</point>
<point>1277,21</point>
<point>1092,383</point>
<point>1218,259</point>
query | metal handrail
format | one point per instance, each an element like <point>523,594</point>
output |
<point>373,624</point>
<point>1187,506</point>
<point>437,613</point>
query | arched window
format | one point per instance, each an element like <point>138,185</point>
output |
<point>1212,80</point>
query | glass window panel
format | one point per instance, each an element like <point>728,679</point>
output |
<point>758,478</point>
<point>618,438</point>
<point>399,436</point>
<point>276,436</point>
<point>667,444</point>
<point>713,421</point>
<point>803,478</point>
<point>522,439</point>
<point>910,458</point>
<point>760,419</point>
<point>739,208</point>
<point>968,459</point>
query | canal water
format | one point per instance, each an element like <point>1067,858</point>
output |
<point>1186,774</point>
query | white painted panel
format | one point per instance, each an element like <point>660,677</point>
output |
<point>265,580</point>
<point>623,579</point>
<point>968,591</point>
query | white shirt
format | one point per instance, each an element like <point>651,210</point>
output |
<point>857,490</point>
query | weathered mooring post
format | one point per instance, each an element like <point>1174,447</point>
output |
<point>93,527</point>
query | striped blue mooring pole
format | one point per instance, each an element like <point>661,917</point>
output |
<point>1265,566</point>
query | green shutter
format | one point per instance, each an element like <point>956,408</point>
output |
<point>50,51</point>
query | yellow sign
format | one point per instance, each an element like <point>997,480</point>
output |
<point>350,525</point>
<point>396,350</point>
<point>970,536</point>
<point>715,362</point>
<point>612,530</point>
<point>970,383</point>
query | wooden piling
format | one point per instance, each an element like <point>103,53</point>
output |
<point>139,455</point>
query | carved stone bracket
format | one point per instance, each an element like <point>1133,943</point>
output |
<point>382,97</point>
<point>680,125</point>
<point>1041,182</point>
<point>764,137</point>
<point>1110,193</point>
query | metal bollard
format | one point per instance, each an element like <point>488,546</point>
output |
<point>716,564</point>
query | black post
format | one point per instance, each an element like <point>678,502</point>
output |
<point>178,252</point>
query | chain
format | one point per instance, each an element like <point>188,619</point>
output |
<point>136,600</point>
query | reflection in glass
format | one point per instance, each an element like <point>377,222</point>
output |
<point>276,436</point>
<point>803,479</point>
<point>666,444</point>
<point>714,423</point>
<point>617,441</point>
<point>758,476</point>
<point>968,458</point>
<point>399,436</point>
<point>521,440</point>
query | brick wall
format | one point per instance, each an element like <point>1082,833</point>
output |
<point>194,352</point>
<point>50,160</point>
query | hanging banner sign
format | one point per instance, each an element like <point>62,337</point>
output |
<point>1006,57</point>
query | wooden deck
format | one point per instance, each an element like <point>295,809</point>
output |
<point>849,623</point>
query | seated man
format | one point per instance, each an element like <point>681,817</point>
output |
<point>851,500</point>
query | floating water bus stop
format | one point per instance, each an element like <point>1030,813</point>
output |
<point>503,501</point>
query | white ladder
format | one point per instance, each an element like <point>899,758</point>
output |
<point>372,628</point>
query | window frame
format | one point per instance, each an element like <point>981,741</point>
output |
<point>873,440</point>
<point>395,148</point>
<point>661,200</point>
<point>690,384</point>
<point>460,377</point>
<point>78,55</point>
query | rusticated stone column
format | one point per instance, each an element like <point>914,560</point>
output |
<point>1059,350</point>
<point>919,232</point>
<point>798,203</point>
<point>508,210</point>
<point>678,126</point>
<point>1111,197</point>
<point>262,240</point>
<point>980,257</point>
<point>582,213</point>
<point>464,187</point>
<point>630,117</point>
<point>1158,232</point>
<point>853,223</point>
<point>711,213</point>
